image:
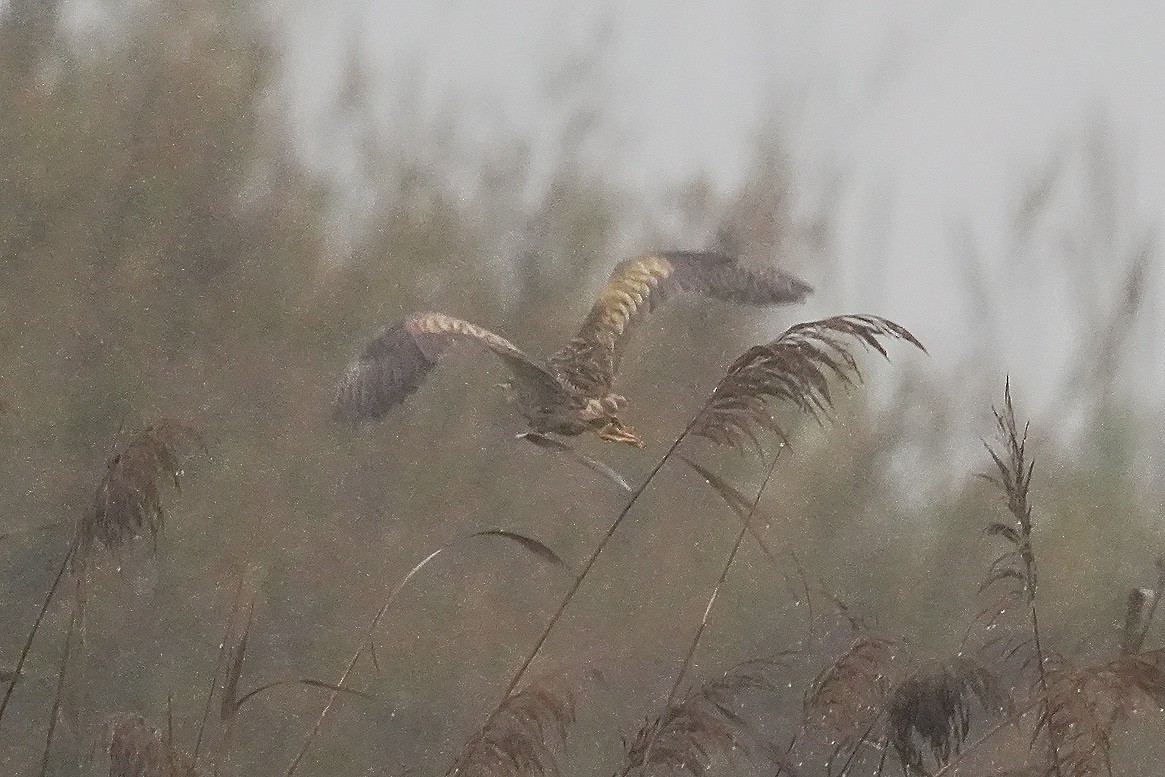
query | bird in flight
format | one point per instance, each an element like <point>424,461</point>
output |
<point>569,393</point>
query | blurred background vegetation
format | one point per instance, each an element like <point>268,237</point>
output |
<point>166,253</point>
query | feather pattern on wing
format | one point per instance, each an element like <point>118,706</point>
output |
<point>589,361</point>
<point>396,361</point>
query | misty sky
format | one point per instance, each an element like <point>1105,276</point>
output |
<point>935,115</point>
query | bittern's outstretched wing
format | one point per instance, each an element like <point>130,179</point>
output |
<point>397,360</point>
<point>636,286</point>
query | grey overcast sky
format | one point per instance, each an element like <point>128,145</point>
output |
<point>937,114</point>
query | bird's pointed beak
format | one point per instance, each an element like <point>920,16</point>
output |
<point>616,431</point>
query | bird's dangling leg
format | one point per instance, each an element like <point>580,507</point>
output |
<point>551,444</point>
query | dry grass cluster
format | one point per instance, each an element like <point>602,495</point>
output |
<point>706,724</point>
<point>128,502</point>
<point>137,749</point>
<point>522,735</point>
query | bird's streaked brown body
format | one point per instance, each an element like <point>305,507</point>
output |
<point>570,393</point>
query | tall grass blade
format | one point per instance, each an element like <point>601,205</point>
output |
<point>532,545</point>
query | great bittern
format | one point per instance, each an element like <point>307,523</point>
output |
<point>570,393</point>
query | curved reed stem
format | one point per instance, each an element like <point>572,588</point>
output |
<point>744,530</point>
<point>364,641</point>
<point>16,671</point>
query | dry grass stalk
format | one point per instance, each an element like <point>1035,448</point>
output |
<point>235,652</point>
<point>558,446</point>
<point>795,368</point>
<point>14,676</point>
<point>137,749</point>
<point>1016,570</point>
<point>59,695</point>
<point>747,510</point>
<point>1083,706</point>
<point>128,501</point>
<point>1014,479</point>
<point>227,670</point>
<point>642,752</point>
<point>522,738</point>
<point>1081,709</point>
<point>705,722</point>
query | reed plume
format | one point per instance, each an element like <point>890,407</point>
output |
<point>704,723</point>
<point>876,699</point>
<point>524,735</point>
<point>796,369</point>
<point>929,714</point>
<point>128,501</point>
<point>1087,705</point>
<point>845,700</point>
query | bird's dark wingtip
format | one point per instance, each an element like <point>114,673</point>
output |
<point>800,288</point>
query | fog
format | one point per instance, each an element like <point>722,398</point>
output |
<point>929,122</point>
